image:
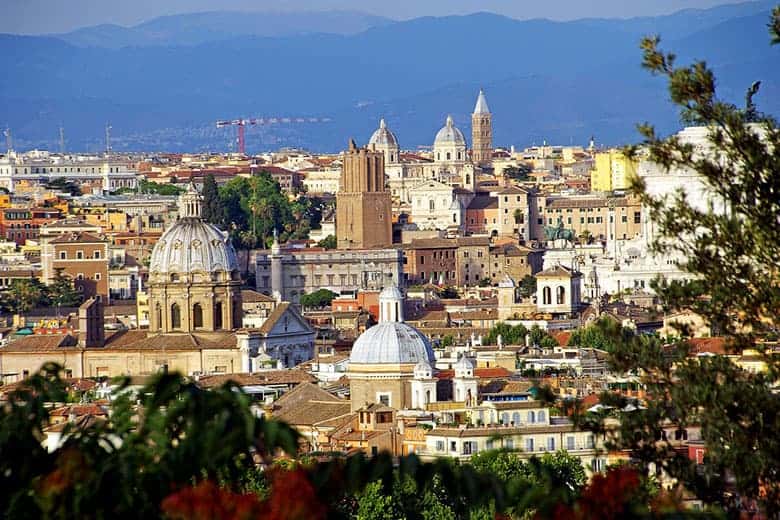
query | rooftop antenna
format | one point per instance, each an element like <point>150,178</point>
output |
<point>108,139</point>
<point>62,140</point>
<point>9,144</point>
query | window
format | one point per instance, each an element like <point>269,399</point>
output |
<point>453,446</point>
<point>96,254</point>
<point>546,296</point>
<point>570,442</point>
<point>529,445</point>
<point>80,276</point>
<point>550,443</point>
<point>383,398</point>
<point>79,255</point>
<point>469,447</point>
<point>175,316</point>
<point>97,276</point>
<point>516,418</point>
<point>197,316</point>
<point>637,217</point>
<point>540,416</point>
<point>218,315</point>
<point>591,442</point>
<point>63,254</point>
<point>624,219</point>
<point>560,295</point>
<point>439,445</point>
<point>509,444</point>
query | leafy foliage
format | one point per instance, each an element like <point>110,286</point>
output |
<point>212,209</point>
<point>319,298</point>
<point>329,242</point>
<point>65,185</point>
<point>527,286</point>
<point>732,251</point>
<point>604,334</point>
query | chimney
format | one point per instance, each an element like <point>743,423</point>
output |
<point>91,331</point>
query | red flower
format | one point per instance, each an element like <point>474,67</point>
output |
<point>292,497</point>
<point>207,501</point>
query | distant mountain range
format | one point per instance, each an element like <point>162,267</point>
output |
<point>163,84</point>
<point>197,28</point>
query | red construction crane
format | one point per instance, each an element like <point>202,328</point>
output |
<point>241,123</point>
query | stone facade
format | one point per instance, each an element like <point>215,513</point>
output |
<point>301,271</point>
<point>363,214</point>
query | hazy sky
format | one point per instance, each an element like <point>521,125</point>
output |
<point>46,16</point>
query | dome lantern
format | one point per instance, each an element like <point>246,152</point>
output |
<point>391,305</point>
<point>190,203</point>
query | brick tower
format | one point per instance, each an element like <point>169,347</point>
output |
<point>482,132</point>
<point>363,203</point>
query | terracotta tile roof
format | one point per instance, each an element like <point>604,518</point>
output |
<point>570,202</point>
<point>432,243</point>
<point>481,202</point>
<point>481,373</point>
<point>249,296</point>
<point>78,410</point>
<point>271,320</point>
<point>81,237</point>
<point>562,337</point>
<point>473,241</point>
<point>270,377</point>
<point>308,404</point>
<point>40,343</point>
<point>707,346</point>
<point>557,272</point>
<point>497,431</point>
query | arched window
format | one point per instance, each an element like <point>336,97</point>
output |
<point>218,315</point>
<point>459,156</point>
<point>540,417</point>
<point>438,156</point>
<point>431,204</point>
<point>504,418</point>
<point>158,315</point>
<point>531,417</point>
<point>448,156</point>
<point>427,396</point>
<point>175,316</point>
<point>516,418</point>
<point>197,316</point>
<point>468,179</point>
<point>546,296</point>
<point>560,295</point>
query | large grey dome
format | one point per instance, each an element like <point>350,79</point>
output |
<point>449,134</point>
<point>392,342</point>
<point>192,245</point>
<point>383,137</point>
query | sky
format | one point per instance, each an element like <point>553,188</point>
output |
<point>53,16</point>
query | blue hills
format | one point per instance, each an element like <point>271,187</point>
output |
<point>545,80</point>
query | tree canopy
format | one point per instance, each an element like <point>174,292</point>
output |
<point>317,299</point>
<point>732,254</point>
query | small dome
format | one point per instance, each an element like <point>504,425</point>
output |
<point>383,137</point>
<point>449,134</point>
<point>464,364</point>
<point>391,342</point>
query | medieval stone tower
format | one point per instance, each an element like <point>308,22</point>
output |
<point>363,215</point>
<point>482,132</point>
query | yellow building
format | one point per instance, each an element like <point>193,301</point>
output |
<point>612,171</point>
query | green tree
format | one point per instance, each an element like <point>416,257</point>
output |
<point>329,242</point>
<point>212,209</point>
<point>510,334</point>
<point>65,185</point>
<point>23,295</point>
<point>518,173</point>
<point>318,299</point>
<point>733,257</point>
<point>604,334</point>
<point>61,291</point>
<point>528,286</point>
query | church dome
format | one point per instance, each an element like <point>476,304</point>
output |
<point>383,137</point>
<point>449,135</point>
<point>192,245</point>
<point>391,341</point>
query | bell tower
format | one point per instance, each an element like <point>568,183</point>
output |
<point>482,132</point>
<point>363,215</point>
